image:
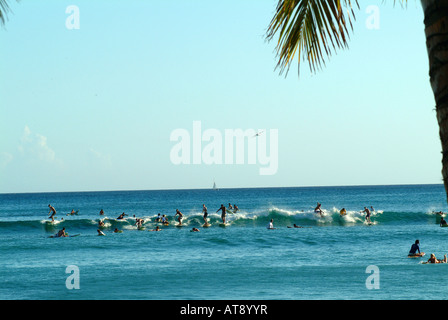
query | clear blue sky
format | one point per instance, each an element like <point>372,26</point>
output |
<point>93,109</point>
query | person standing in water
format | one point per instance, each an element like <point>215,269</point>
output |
<point>223,214</point>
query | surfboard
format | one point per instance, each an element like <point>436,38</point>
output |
<point>223,225</point>
<point>54,222</point>
<point>141,228</point>
<point>67,236</point>
<point>179,225</point>
<point>444,225</point>
<point>417,255</point>
<point>206,225</point>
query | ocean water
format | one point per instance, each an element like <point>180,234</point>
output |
<point>329,258</point>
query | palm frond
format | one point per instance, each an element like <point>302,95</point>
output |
<point>4,10</point>
<point>310,28</point>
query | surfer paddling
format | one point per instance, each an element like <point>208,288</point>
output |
<point>61,233</point>
<point>433,259</point>
<point>121,216</point>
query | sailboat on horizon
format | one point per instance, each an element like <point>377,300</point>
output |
<point>214,186</point>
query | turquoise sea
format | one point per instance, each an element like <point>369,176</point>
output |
<point>330,258</point>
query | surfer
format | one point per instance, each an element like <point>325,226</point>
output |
<point>414,248</point>
<point>117,231</point>
<point>343,212</point>
<point>230,207</point>
<point>100,233</point>
<point>72,213</point>
<point>164,220</point>
<point>101,212</point>
<point>371,209</point>
<point>156,229</point>
<point>121,217</point>
<point>367,211</point>
<point>159,218</point>
<point>318,209</point>
<point>271,224</point>
<point>101,224</point>
<point>52,212</point>
<point>223,214</point>
<point>138,222</point>
<point>442,221</point>
<point>61,233</point>
<point>235,208</point>
<point>433,259</point>
<point>204,211</point>
<point>180,216</point>
<point>195,230</point>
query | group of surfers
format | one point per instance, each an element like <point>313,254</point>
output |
<point>432,259</point>
<point>179,215</point>
<point>162,219</point>
<point>415,248</point>
<point>343,212</point>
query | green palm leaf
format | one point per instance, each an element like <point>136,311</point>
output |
<point>4,10</point>
<point>310,28</point>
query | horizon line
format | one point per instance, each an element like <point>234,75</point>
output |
<point>226,188</point>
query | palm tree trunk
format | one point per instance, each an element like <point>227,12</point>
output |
<point>436,30</point>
